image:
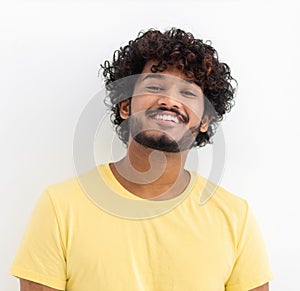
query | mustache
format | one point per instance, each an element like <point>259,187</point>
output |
<point>162,109</point>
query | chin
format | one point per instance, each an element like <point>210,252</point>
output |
<point>163,142</point>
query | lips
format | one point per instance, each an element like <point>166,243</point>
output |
<point>166,117</point>
<point>172,115</point>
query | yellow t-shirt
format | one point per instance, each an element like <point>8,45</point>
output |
<point>88,234</point>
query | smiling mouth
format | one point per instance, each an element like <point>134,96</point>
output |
<point>168,116</point>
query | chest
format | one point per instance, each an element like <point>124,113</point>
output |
<point>174,253</point>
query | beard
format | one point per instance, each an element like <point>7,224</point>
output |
<point>161,143</point>
<point>159,139</point>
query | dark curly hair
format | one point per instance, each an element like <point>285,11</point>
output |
<point>196,59</point>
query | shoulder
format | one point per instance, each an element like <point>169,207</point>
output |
<point>69,188</point>
<point>219,201</point>
<point>74,190</point>
<point>209,192</point>
<point>79,189</point>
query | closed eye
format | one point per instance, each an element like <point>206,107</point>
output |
<point>188,93</point>
<point>154,88</point>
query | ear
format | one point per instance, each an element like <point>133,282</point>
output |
<point>124,107</point>
<point>204,123</point>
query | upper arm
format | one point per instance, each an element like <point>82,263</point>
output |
<point>41,256</point>
<point>264,287</point>
<point>251,265</point>
<point>26,285</point>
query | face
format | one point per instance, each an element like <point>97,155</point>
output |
<point>166,110</point>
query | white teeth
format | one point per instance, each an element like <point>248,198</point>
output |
<point>166,117</point>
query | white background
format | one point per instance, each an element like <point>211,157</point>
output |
<point>50,53</point>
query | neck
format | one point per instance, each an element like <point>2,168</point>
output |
<point>152,174</point>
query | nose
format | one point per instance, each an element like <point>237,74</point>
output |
<point>169,101</point>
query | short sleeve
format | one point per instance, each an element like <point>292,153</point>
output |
<point>41,255</point>
<point>251,268</point>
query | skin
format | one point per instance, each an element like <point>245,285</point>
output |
<point>26,285</point>
<point>264,287</point>
<point>32,286</point>
<point>172,91</point>
<point>172,94</point>
<point>136,156</point>
<point>173,178</point>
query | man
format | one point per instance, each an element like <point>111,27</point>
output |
<point>137,224</point>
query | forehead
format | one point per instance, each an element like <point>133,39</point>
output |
<point>171,75</point>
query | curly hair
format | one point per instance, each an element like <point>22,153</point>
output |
<point>194,57</point>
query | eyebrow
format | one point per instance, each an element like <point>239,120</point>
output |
<point>161,77</point>
<point>153,76</point>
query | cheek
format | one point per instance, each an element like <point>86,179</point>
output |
<point>195,110</point>
<point>141,103</point>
